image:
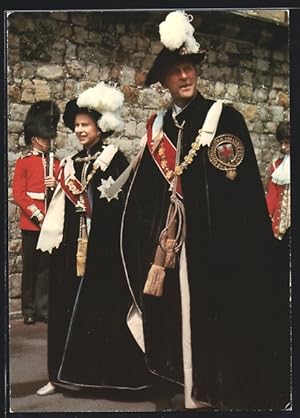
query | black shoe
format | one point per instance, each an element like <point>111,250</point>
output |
<point>43,318</point>
<point>29,320</point>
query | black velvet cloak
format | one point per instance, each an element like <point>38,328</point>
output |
<point>99,350</point>
<point>239,303</point>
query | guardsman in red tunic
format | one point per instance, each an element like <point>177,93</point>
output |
<point>278,191</point>
<point>279,197</point>
<point>33,184</point>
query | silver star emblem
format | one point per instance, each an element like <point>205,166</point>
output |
<point>104,189</point>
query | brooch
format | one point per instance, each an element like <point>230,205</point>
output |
<point>104,188</point>
<point>226,153</point>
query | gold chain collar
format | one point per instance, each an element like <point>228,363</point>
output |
<point>187,160</point>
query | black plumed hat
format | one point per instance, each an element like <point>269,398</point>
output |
<point>41,120</point>
<point>166,59</point>
<point>72,109</point>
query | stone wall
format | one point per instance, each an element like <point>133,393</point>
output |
<point>59,54</point>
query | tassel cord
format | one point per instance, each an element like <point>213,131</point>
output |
<point>176,209</point>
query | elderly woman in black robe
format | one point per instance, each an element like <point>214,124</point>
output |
<point>89,344</point>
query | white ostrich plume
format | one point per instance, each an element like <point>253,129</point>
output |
<point>102,97</point>
<point>106,100</point>
<point>110,121</point>
<point>176,30</point>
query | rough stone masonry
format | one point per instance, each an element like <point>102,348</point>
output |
<point>56,55</point>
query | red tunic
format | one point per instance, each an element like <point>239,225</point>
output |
<point>276,202</point>
<point>29,187</point>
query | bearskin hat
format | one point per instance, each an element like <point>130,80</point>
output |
<point>41,120</point>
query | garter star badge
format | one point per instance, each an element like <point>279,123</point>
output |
<point>103,189</point>
<point>226,153</point>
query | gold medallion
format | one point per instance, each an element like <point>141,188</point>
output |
<point>226,153</point>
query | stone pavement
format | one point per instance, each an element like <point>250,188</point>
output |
<point>28,372</point>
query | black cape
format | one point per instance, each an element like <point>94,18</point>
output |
<point>239,300</point>
<point>100,350</point>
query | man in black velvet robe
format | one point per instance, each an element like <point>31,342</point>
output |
<point>220,328</point>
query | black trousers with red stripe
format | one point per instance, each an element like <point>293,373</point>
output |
<point>35,277</point>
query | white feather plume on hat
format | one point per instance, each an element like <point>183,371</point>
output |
<point>176,30</point>
<point>106,100</point>
<point>110,121</point>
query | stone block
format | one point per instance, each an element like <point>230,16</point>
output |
<point>219,89</point>
<point>247,77</point>
<point>127,75</point>
<point>283,99</point>
<point>14,305</point>
<point>14,93</point>
<point>24,69</point>
<point>250,112</point>
<point>261,95</point>
<point>18,112</point>
<point>277,113</point>
<point>232,91</point>
<point>79,18</point>
<point>14,126</point>
<point>278,82</point>
<point>50,72</point>
<point>81,34</point>
<point>115,72</point>
<point>15,285</point>
<point>130,129</point>
<point>75,68</point>
<point>92,72</point>
<point>128,43</point>
<point>131,94</point>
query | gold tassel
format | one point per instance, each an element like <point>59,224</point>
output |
<point>165,257</point>
<point>155,279</point>
<point>81,256</point>
<point>82,243</point>
<point>170,259</point>
<point>154,285</point>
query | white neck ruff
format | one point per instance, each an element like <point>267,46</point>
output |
<point>282,173</point>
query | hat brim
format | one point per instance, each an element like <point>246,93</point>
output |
<point>166,59</point>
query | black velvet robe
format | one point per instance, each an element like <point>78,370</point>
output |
<point>238,297</point>
<point>100,350</point>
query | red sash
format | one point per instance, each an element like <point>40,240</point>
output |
<point>73,189</point>
<point>170,153</point>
